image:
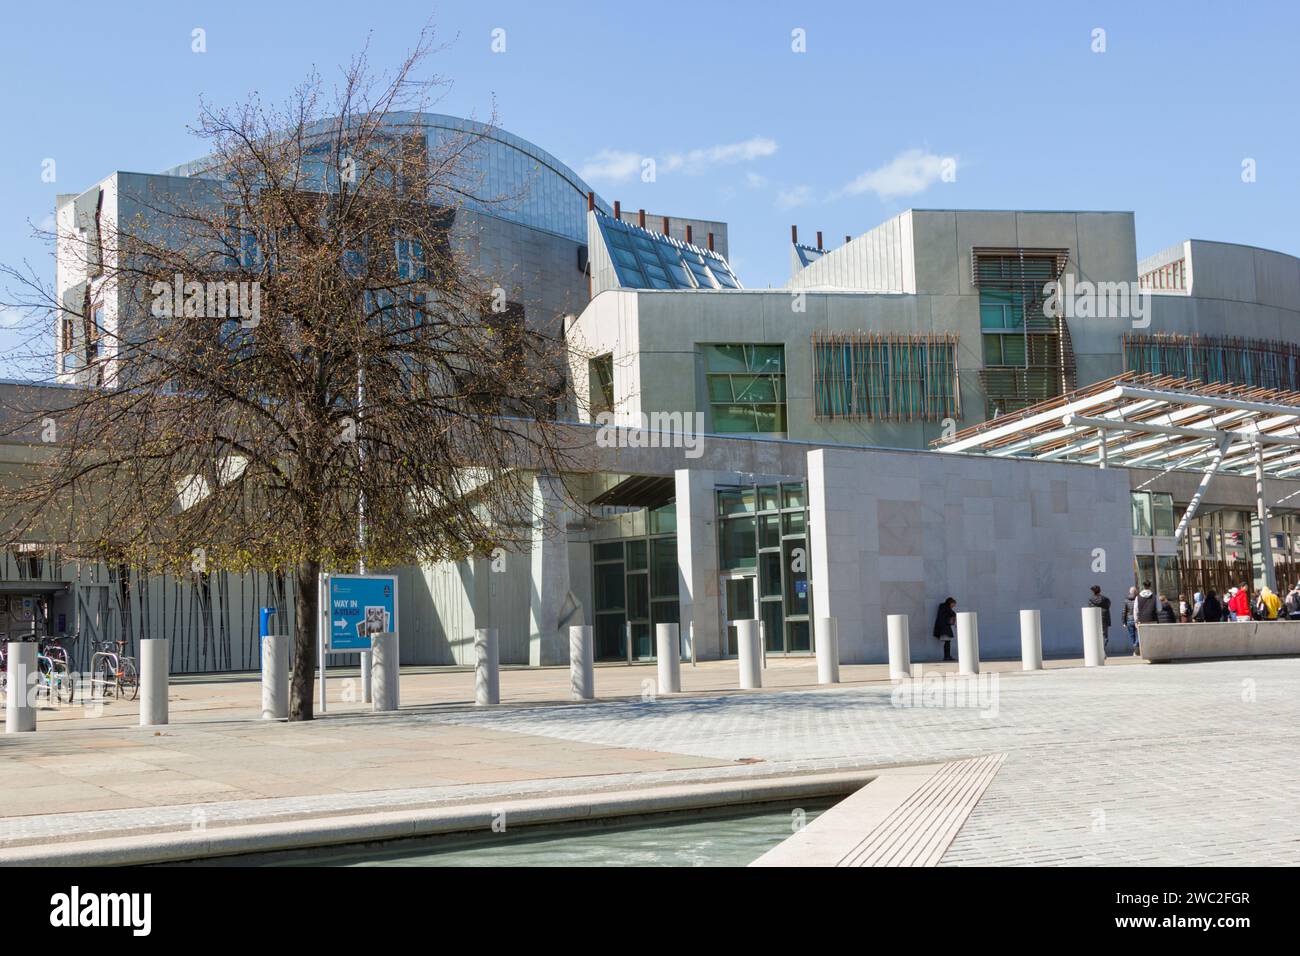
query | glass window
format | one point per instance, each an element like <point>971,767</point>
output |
<point>794,522</point>
<point>638,597</point>
<point>636,554</point>
<point>800,636</point>
<point>1162,507</point>
<point>769,577</point>
<point>796,578</point>
<point>769,531</point>
<point>737,543</point>
<point>1141,511</point>
<point>610,595</point>
<point>663,567</point>
<point>608,551</point>
<point>772,619</point>
<point>794,495</point>
<point>735,501</point>
<point>769,498</point>
<point>663,520</point>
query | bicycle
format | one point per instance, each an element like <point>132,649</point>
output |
<point>55,674</point>
<point>113,673</point>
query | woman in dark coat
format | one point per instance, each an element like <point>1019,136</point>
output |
<point>944,623</point>
<point>1210,611</point>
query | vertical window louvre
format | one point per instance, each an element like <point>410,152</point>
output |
<point>884,377</point>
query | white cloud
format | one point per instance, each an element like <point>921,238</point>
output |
<point>794,196</point>
<point>614,165</point>
<point>12,317</point>
<point>910,172</point>
<point>755,181</point>
<point>699,160</point>
<point>611,164</point>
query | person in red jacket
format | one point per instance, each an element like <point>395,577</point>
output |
<point>1240,603</point>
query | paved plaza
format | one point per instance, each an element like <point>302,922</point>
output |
<point>1128,764</point>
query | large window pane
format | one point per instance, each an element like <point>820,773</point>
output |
<point>738,543</point>
<point>1162,508</point>
<point>638,597</point>
<point>609,587</point>
<point>1141,511</point>
<point>663,567</point>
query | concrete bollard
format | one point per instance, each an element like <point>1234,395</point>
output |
<point>968,643</point>
<point>1094,653</point>
<point>668,648</point>
<point>20,715</point>
<point>1031,640</point>
<point>153,681</point>
<point>367,677</point>
<point>385,672</point>
<point>828,650</point>
<point>900,647</point>
<point>487,667</point>
<point>275,677</point>
<point>582,666</point>
<point>751,655</point>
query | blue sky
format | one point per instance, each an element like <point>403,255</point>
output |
<point>742,127</point>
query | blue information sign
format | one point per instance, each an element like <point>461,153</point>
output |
<point>359,605</point>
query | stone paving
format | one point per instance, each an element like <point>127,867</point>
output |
<point>1175,764</point>
<point>1179,764</point>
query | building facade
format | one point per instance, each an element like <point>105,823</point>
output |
<point>765,454</point>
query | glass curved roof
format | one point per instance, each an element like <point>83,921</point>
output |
<point>517,180</point>
<point>651,260</point>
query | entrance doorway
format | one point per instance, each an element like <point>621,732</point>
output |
<point>739,600</point>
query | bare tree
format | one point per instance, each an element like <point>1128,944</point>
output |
<point>299,354</point>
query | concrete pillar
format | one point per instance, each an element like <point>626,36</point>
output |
<point>487,667</point>
<point>1094,654</point>
<point>20,716</point>
<point>1264,576</point>
<point>900,647</point>
<point>828,650</point>
<point>697,562</point>
<point>549,584</point>
<point>582,666</point>
<point>751,655</point>
<point>968,643</point>
<point>275,677</point>
<point>668,651</point>
<point>153,681</point>
<point>367,682</point>
<point>385,671</point>
<point>836,530</point>
<point>1031,640</point>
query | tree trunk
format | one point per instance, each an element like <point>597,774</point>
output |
<point>305,603</point>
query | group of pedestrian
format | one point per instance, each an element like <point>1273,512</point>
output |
<point>1145,606</point>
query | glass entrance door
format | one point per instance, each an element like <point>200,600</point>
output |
<point>739,598</point>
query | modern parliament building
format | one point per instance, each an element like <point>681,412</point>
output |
<point>915,414</point>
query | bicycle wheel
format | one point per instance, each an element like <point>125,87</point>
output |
<point>64,688</point>
<point>129,685</point>
<point>103,678</point>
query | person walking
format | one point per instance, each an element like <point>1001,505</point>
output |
<point>1166,613</point>
<point>1269,604</point>
<point>1128,617</point>
<point>1148,611</point>
<point>1210,611</point>
<point>944,623</point>
<point>1100,600</point>
<point>1239,605</point>
<point>1292,603</point>
<point>1184,609</point>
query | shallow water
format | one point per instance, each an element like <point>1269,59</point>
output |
<point>686,838</point>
